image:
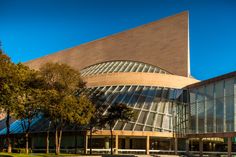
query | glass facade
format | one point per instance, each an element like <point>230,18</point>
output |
<point>153,107</point>
<point>212,107</point>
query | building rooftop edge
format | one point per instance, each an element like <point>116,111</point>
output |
<point>214,79</point>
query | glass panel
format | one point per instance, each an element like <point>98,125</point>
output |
<point>142,117</point>
<point>229,87</point>
<point>172,94</point>
<point>159,121</point>
<point>151,70</point>
<point>229,101</point>
<point>165,93</point>
<point>170,108</point>
<point>147,128</point>
<point>154,106</point>
<point>166,122</point>
<point>201,94</point>
<point>210,115</point>
<point>151,118</point>
<point>136,114</point>
<point>161,106</point>
<point>219,115</point>
<point>141,101</point>
<point>133,100</point>
<point>148,103</point>
<point>192,96</point>
<point>123,67</point>
<point>209,92</point>
<point>129,126</point>
<point>193,118</point>
<point>138,128</point>
<point>119,126</point>
<point>158,92</point>
<point>146,68</point>
<point>152,92</point>
<point>219,89</point>
<point>201,116</point>
<point>145,91</point>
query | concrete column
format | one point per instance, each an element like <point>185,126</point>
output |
<point>127,143</point>
<point>210,146</point>
<point>187,145</point>
<point>170,144</point>
<point>229,146</point>
<point>200,147</point>
<point>117,144</point>
<point>176,145</point>
<point>85,144</point>
<point>107,143</point>
<point>147,145</point>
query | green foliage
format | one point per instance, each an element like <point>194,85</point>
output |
<point>61,104</point>
<point>61,77</point>
<point>12,78</point>
<point>64,101</point>
<point>56,90</point>
<point>15,82</point>
<point>29,97</point>
<point>10,82</point>
<point>85,111</point>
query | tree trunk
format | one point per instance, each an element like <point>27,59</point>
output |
<point>27,143</point>
<point>59,141</point>
<point>85,143</point>
<point>27,137</point>
<point>90,140</point>
<point>58,135</point>
<point>76,145</point>
<point>47,138</point>
<point>111,141</point>
<point>56,142</point>
<point>47,142</point>
<point>8,132</point>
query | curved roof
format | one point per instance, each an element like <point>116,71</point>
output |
<point>120,66</point>
<point>139,78</point>
<point>162,43</point>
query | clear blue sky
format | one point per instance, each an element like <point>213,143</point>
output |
<point>33,28</point>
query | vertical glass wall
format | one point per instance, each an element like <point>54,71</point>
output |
<point>182,112</point>
<point>212,107</point>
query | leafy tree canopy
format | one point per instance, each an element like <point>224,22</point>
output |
<point>64,103</point>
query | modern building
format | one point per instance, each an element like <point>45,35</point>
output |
<point>148,68</point>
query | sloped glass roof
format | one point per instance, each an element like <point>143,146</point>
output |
<point>120,66</point>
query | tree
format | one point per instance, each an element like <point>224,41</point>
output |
<point>29,100</point>
<point>114,113</point>
<point>97,100</point>
<point>62,105</point>
<point>10,80</point>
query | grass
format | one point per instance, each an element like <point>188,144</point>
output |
<point>34,155</point>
